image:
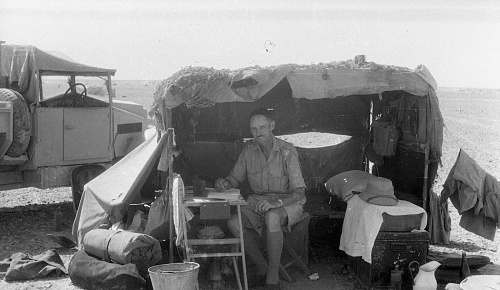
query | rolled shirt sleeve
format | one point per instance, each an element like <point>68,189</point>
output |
<point>295,178</point>
<point>239,171</point>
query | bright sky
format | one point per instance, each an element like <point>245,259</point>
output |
<point>458,41</point>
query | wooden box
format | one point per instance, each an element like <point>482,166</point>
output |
<point>390,249</point>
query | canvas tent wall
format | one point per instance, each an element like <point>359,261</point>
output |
<point>209,110</point>
<point>105,198</point>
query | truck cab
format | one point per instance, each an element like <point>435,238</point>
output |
<point>58,116</point>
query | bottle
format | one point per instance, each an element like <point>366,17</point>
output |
<point>198,187</point>
<point>58,220</point>
<point>464,268</point>
<point>396,278</point>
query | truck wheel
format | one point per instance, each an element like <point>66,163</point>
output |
<point>21,127</point>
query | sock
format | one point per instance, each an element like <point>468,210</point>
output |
<point>253,252</point>
<point>274,250</point>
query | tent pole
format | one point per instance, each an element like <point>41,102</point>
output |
<point>170,197</point>
<point>109,87</point>
<point>426,158</point>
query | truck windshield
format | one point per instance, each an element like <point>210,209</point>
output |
<point>57,86</point>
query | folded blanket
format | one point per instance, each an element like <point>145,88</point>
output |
<point>20,266</point>
<point>362,223</point>
<point>122,247</point>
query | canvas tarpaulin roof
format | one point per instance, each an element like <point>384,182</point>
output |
<point>21,63</point>
<point>310,82</point>
<point>204,87</point>
<point>105,197</point>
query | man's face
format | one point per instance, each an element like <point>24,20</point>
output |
<point>261,128</point>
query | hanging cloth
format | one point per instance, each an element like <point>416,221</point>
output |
<point>440,221</point>
<point>181,213</point>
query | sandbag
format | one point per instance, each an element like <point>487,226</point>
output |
<point>89,272</point>
<point>21,127</point>
<point>123,247</point>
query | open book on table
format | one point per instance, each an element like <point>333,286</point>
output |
<point>229,194</point>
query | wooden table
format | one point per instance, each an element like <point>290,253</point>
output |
<point>239,249</point>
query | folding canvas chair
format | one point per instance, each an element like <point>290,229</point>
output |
<point>298,237</point>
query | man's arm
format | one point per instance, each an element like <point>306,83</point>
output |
<point>296,195</point>
<point>295,179</point>
<point>228,182</point>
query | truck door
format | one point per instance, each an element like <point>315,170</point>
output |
<point>86,133</point>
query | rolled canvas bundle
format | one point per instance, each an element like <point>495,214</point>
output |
<point>122,247</point>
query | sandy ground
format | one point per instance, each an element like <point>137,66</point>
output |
<point>471,123</point>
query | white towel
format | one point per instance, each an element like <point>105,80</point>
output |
<point>362,223</point>
<point>180,212</point>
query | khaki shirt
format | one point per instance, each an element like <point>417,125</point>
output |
<point>280,174</point>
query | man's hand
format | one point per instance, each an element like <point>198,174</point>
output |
<point>222,184</point>
<point>264,205</point>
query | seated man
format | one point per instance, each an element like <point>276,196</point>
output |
<point>273,172</point>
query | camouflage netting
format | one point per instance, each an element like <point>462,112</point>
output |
<point>191,85</point>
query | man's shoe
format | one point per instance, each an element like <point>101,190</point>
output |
<point>256,280</point>
<point>272,286</point>
<point>225,268</point>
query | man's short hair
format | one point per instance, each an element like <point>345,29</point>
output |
<point>268,113</point>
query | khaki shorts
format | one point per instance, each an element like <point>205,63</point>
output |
<point>293,211</point>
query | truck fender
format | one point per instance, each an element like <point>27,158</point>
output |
<point>80,176</point>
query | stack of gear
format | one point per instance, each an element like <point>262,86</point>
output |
<point>379,231</point>
<point>111,259</point>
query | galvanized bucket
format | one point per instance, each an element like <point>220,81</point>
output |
<point>179,276</point>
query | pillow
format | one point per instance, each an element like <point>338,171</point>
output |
<point>343,184</point>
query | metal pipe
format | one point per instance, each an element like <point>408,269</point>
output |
<point>111,117</point>
<point>1,77</point>
<point>426,157</point>
<point>170,197</point>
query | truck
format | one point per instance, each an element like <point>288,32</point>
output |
<point>59,122</point>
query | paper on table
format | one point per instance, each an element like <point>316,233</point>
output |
<point>229,194</point>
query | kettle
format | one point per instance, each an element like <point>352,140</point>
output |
<point>425,279</point>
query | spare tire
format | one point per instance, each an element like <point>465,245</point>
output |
<point>21,127</point>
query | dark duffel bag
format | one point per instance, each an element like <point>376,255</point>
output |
<point>89,272</point>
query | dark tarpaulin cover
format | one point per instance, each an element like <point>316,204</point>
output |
<point>21,266</point>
